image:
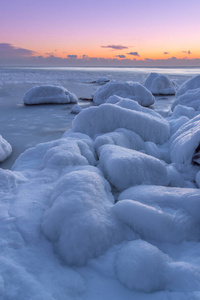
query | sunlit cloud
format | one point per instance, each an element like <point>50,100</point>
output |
<point>115,47</point>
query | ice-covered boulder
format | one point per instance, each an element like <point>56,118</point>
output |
<point>107,118</point>
<point>182,110</point>
<point>125,167</point>
<point>121,137</point>
<point>5,149</point>
<point>166,198</point>
<point>71,150</point>
<point>78,220</point>
<point>141,266</point>
<point>133,91</point>
<point>76,109</point>
<point>190,98</point>
<point>153,223</point>
<point>132,104</point>
<point>184,144</point>
<point>160,84</point>
<point>49,94</point>
<point>193,83</point>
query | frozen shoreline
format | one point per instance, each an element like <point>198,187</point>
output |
<point>24,127</point>
<point>110,209</point>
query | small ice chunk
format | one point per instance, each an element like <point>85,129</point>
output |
<point>76,109</point>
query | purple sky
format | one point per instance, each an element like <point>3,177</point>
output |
<point>90,32</point>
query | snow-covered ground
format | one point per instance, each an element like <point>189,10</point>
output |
<point>105,206</point>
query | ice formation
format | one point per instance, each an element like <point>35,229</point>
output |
<point>125,167</point>
<point>109,210</point>
<point>108,117</point>
<point>190,98</point>
<point>160,84</point>
<point>5,149</point>
<point>49,94</point>
<point>190,84</point>
<point>133,91</point>
<point>184,144</point>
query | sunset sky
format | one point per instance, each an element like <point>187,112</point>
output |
<point>103,32</point>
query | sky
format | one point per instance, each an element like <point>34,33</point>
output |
<point>100,32</point>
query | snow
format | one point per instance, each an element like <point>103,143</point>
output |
<point>190,84</point>
<point>133,91</point>
<point>106,207</point>
<point>49,94</point>
<point>160,84</point>
<point>5,149</point>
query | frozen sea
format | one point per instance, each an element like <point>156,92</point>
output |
<point>24,127</point>
<point>104,205</point>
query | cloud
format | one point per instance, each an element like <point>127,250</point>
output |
<point>133,53</point>
<point>72,56</point>
<point>115,47</point>
<point>166,52</point>
<point>9,51</point>
<point>187,52</point>
<point>120,56</point>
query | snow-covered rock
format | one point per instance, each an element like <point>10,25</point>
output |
<point>79,221</point>
<point>153,223</point>
<point>125,167</point>
<point>133,91</point>
<point>160,84</point>
<point>181,110</point>
<point>107,118</point>
<point>141,266</point>
<point>190,98</point>
<point>5,149</point>
<point>49,94</point>
<point>166,198</point>
<point>184,144</point>
<point>132,104</point>
<point>193,83</point>
<point>76,109</point>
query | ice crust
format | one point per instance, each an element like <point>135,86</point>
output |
<point>109,210</point>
